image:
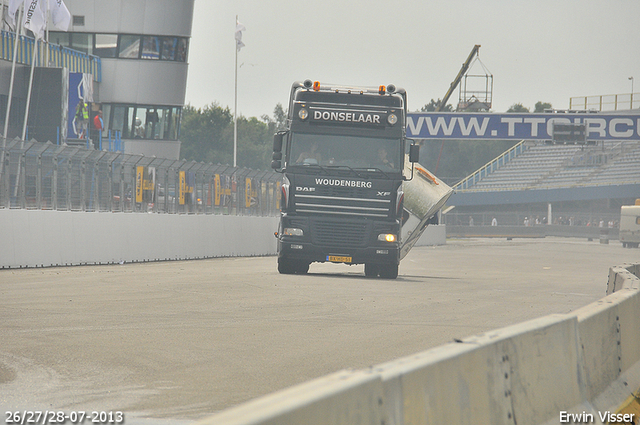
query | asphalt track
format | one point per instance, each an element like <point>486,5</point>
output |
<point>177,341</point>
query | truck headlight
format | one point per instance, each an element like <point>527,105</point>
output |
<point>292,231</point>
<point>387,237</point>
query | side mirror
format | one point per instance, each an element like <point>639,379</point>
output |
<point>276,164</point>
<point>277,156</point>
<point>277,141</point>
<point>414,153</point>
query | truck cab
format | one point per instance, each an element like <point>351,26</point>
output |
<point>343,158</point>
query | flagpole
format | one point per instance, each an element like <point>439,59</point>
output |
<point>33,67</point>
<point>26,110</point>
<point>13,74</point>
<point>235,110</point>
<point>46,38</point>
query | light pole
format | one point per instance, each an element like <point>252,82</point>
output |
<point>631,78</point>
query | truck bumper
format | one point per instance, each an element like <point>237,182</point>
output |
<point>305,251</point>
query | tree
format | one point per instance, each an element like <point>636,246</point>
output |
<point>204,133</point>
<point>433,105</point>
<point>541,107</point>
<point>207,135</point>
<point>255,143</point>
<point>517,107</point>
<point>279,120</point>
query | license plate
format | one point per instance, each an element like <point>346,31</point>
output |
<point>338,259</point>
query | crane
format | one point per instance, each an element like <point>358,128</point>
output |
<point>456,81</point>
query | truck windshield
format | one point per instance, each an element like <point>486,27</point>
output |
<point>350,151</point>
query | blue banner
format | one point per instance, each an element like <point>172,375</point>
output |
<point>506,126</point>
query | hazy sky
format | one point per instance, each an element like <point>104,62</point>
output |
<point>537,50</point>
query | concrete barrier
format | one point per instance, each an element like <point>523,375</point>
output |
<point>586,363</point>
<point>492,380</point>
<point>346,397</point>
<point>36,238</point>
<point>40,238</point>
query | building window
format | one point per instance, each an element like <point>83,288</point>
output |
<point>61,38</point>
<point>144,122</point>
<point>181,52</point>
<point>78,20</point>
<point>169,45</point>
<point>106,45</point>
<point>124,46</point>
<point>129,46</point>
<point>80,41</point>
<point>150,47</point>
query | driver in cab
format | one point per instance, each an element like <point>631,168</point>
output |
<point>312,156</point>
<point>382,160</point>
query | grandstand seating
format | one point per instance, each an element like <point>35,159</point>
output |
<point>539,165</point>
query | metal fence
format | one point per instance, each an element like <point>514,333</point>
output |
<point>609,102</point>
<point>36,175</point>
<point>48,53</point>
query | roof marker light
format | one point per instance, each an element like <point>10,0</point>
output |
<point>381,90</point>
<point>316,86</point>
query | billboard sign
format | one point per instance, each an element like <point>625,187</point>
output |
<point>508,126</point>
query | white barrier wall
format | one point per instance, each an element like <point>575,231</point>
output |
<point>539,372</point>
<point>35,238</point>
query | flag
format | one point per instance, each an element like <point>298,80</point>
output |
<point>60,15</point>
<point>239,29</point>
<point>14,5</point>
<point>35,16</point>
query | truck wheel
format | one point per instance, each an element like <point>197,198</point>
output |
<point>371,270</point>
<point>301,267</point>
<point>286,266</point>
<point>389,271</point>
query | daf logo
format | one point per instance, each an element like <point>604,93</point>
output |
<point>305,189</point>
<point>384,193</point>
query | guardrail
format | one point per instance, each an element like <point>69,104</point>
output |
<point>490,167</point>
<point>582,367</point>
<point>607,102</point>
<point>55,55</point>
<point>45,176</point>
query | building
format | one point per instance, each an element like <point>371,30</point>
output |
<point>142,48</point>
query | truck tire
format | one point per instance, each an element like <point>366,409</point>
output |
<point>371,270</point>
<point>389,271</point>
<point>302,267</point>
<point>287,266</point>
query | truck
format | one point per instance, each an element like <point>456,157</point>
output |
<point>344,157</point>
<point>630,225</point>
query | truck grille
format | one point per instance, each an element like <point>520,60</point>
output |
<point>342,205</point>
<point>340,233</point>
